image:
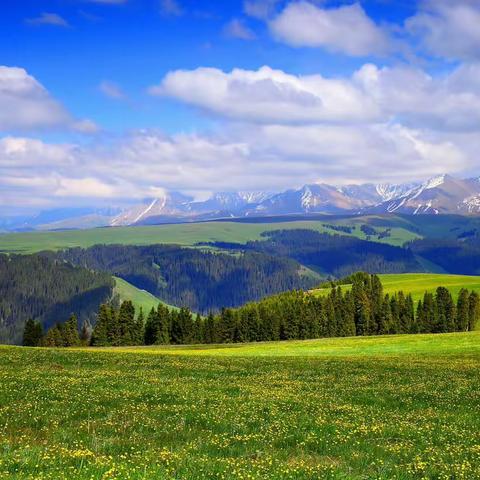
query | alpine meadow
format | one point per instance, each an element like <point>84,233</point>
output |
<point>239,240</point>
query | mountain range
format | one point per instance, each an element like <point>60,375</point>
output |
<point>443,194</point>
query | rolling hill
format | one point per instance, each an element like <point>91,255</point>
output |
<point>417,284</point>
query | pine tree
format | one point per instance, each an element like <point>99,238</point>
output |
<point>54,337</point>
<point>100,334</point>
<point>70,332</point>
<point>474,312</point>
<point>151,328</point>
<point>32,334</point>
<point>463,311</point>
<point>139,330</point>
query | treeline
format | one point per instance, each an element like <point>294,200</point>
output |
<point>362,310</point>
<point>46,289</point>
<point>334,255</point>
<point>200,280</point>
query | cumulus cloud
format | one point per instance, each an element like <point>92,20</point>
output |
<point>26,105</point>
<point>48,19</point>
<point>448,28</point>
<point>268,95</point>
<point>371,94</point>
<point>346,29</point>
<point>244,157</point>
<point>237,29</point>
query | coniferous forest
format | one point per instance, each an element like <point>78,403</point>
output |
<point>360,311</point>
<point>46,289</point>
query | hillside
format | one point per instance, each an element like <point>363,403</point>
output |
<point>141,299</point>
<point>396,407</point>
<point>417,284</point>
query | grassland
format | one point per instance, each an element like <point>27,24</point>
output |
<point>183,234</point>
<point>418,283</point>
<point>140,298</point>
<point>396,407</point>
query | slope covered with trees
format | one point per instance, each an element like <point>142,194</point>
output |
<point>364,310</point>
<point>46,289</point>
<point>200,280</point>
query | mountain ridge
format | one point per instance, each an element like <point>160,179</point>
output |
<point>442,194</point>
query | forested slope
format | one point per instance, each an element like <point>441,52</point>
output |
<point>47,290</point>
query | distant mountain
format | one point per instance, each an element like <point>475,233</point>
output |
<point>443,194</point>
<point>439,195</point>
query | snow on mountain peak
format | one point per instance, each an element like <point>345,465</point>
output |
<point>434,182</point>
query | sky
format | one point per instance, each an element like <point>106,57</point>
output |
<point>105,102</point>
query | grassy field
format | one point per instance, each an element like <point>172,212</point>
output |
<point>393,407</point>
<point>183,234</point>
<point>418,283</point>
<point>139,298</point>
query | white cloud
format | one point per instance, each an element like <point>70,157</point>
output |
<point>370,95</point>
<point>448,28</point>
<point>26,105</point>
<point>48,19</point>
<point>268,95</point>
<point>237,29</point>
<point>346,29</point>
<point>111,90</point>
<point>243,157</point>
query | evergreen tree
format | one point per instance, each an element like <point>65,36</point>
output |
<point>474,311</point>
<point>32,334</point>
<point>463,311</point>
<point>70,332</point>
<point>100,334</point>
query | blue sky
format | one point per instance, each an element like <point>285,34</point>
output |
<point>107,100</point>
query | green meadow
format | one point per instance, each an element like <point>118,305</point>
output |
<point>186,234</point>
<point>403,407</point>
<point>417,284</point>
<point>141,299</point>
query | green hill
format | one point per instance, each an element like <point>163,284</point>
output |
<point>417,284</point>
<point>187,234</point>
<point>140,298</point>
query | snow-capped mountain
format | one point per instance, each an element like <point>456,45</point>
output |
<point>441,194</point>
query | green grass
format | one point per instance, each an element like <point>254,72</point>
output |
<point>139,298</point>
<point>184,234</point>
<point>403,407</point>
<point>418,283</point>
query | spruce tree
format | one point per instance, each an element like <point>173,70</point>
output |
<point>32,334</point>
<point>474,311</point>
<point>70,332</point>
<point>463,311</point>
<point>100,332</point>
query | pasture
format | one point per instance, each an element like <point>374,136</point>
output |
<point>417,284</point>
<point>401,407</point>
<point>186,234</point>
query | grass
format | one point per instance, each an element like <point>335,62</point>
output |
<point>184,234</point>
<point>392,407</point>
<point>418,283</point>
<point>140,298</point>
